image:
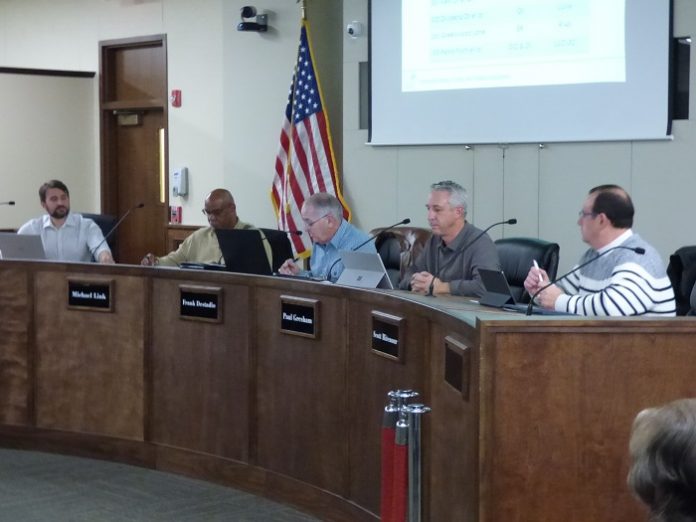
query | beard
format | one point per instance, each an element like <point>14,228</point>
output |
<point>60,212</point>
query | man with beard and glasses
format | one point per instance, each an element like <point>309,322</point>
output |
<point>66,236</point>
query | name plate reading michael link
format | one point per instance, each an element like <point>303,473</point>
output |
<point>299,316</point>
<point>90,295</point>
<point>387,335</point>
<point>200,303</point>
<point>86,294</point>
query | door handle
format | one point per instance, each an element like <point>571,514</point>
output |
<point>162,166</point>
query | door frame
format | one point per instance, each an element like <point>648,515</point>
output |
<point>108,180</point>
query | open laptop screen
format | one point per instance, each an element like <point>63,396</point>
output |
<point>243,251</point>
<point>364,270</point>
<point>21,246</point>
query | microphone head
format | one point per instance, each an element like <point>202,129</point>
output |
<point>11,203</point>
<point>639,250</point>
<point>404,222</point>
<point>512,221</point>
<point>140,205</point>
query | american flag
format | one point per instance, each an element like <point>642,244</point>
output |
<point>305,163</point>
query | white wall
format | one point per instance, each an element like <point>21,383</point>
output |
<point>35,148</point>
<point>234,90</point>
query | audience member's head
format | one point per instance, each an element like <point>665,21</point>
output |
<point>663,453</point>
<point>220,209</point>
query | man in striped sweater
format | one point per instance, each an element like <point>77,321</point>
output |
<point>621,283</point>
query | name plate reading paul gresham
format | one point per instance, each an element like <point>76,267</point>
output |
<point>90,295</point>
<point>200,303</point>
<point>299,316</point>
<point>387,335</point>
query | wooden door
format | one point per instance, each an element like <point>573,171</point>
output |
<point>133,102</point>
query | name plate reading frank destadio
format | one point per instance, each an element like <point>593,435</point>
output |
<point>86,294</point>
<point>387,335</point>
<point>299,316</point>
<point>200,303</point>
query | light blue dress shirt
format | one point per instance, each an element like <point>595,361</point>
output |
<point>74,241</point>
<point>327,257</point>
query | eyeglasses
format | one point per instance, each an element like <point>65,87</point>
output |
<point>310,224</point>
<point>213,212</point>
<point>582,214</point>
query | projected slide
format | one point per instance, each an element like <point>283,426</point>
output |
<point>473,44</point>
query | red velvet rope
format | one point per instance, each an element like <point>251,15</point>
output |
<point>400,494</point>
<point>387,498</point>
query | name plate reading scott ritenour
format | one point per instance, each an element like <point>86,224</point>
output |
<point>90,295</point>
<point>200,303</point>
<point>299,316</point>
<point>387,335</point>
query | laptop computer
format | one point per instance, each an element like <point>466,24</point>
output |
<point>243,251</point>
<point>499,295</point>
<point>364,270</point>
<point>21,246</point>
<point>280,246</point>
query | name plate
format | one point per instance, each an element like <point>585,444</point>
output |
<point>299,316</point>
<point>387,335</point>
<point>200,303</point>
<point>85,294</point>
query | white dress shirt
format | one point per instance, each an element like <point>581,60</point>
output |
<point>74,241</point>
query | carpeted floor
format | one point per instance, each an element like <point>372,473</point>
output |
<point>44,487</point>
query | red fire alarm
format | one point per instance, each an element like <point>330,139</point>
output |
<point>176,98</point>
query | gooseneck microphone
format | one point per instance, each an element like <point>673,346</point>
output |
<point>511,221</point>
<point>372,237</point>
<point>11,203</point>
<point>637,250</point>
<point>113,229</point>
<point>375,236</point>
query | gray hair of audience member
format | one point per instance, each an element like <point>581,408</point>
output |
<point>663,451</point>
<point>326,204</point>
<point>457,193</point>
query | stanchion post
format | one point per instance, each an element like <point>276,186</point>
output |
<point>415,461</point>
<point>400,498</point>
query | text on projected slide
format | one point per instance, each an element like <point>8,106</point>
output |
<point>469,44</point>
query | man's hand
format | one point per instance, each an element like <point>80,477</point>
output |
<point>149,260</point>
<point>547,298</point>
<point>289,268</point>
<point>536,279</point>
<point>106,258</point>
<point>426,283</point>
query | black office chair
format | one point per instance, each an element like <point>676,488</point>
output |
<point>681,271</point>
<point>390,247</point>
<point>106,223</point>
<point>517,255</point>
<point>399,248</point>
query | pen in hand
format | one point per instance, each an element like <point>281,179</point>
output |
<point>536,265</point>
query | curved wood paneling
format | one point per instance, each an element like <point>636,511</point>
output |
<point>531,422</point>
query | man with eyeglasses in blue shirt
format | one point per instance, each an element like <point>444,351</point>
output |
<point>322,214</point>
<point>202,246</point>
